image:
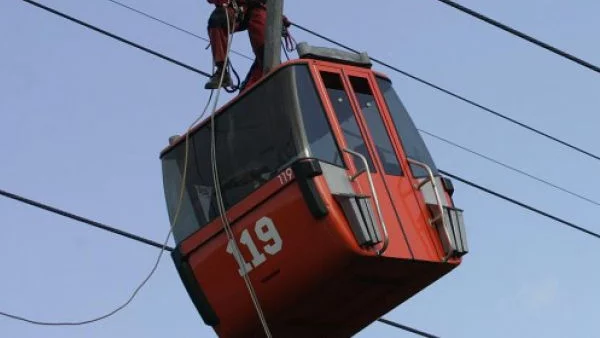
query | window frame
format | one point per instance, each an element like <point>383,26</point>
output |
<point>314,79</point>
<point>342,138</point>
<point>380,120</point>
<point>298,136</point>
<point>398,130</point>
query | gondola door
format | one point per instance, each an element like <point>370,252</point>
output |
<point>375,162</point>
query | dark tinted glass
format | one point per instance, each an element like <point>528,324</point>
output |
<point>197,206</point>
<point>255,139</point>
<point>372,116</point>
<point>317,128</point>
<point>343,110</point>
<point>413,143</point>
<point>187,222</point>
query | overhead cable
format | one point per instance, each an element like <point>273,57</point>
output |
<point>81,219</point>
<point>457,96</point>
<point>188,32</point>
<point>135,238</point>
<point>504,165</point>
<point>572,225</point>
<point>521,35</point>
<point>163,247</point>
<point>116,37</point>
<point>346,47</point>
<point>521,204</point>
<point>406,328</point>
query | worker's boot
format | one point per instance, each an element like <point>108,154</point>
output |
<point>213,82</point>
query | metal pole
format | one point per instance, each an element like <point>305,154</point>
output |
<point>273,35</point>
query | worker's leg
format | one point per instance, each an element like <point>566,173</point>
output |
<point>256,30</point>
<point>217,31</point>
<point>254,74</point>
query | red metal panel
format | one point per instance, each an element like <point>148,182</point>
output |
<point>311,251</point>
<point>320,282</point>
<point>399,246</point>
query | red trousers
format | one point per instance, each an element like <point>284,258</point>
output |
<point>255,18</point>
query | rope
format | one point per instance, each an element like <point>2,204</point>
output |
<point>219,196</point>
<point>164,247</point>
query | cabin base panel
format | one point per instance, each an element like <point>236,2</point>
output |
<point>342,307</point>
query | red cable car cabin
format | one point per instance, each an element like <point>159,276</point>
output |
<point>334,199</point>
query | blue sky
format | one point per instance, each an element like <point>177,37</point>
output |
<point>84,118</point>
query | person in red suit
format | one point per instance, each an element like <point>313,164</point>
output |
<point>243,15</point>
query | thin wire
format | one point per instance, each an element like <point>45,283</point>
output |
<point>521,204</point>
<point>390,67</point>
<point>236,248</point>
<point>524,173</point>
<point>110,314</point>
<point>406,328</point>
<point>219,194</point>
<point>172,26</point>
<point>144,241</point>
<point>164,247</point>
<point>81,219</point>
<point>149,16</point>
<point>386,65</point>
<point>521,35</point>
<point>116,37</point>
<point>457,96</point>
